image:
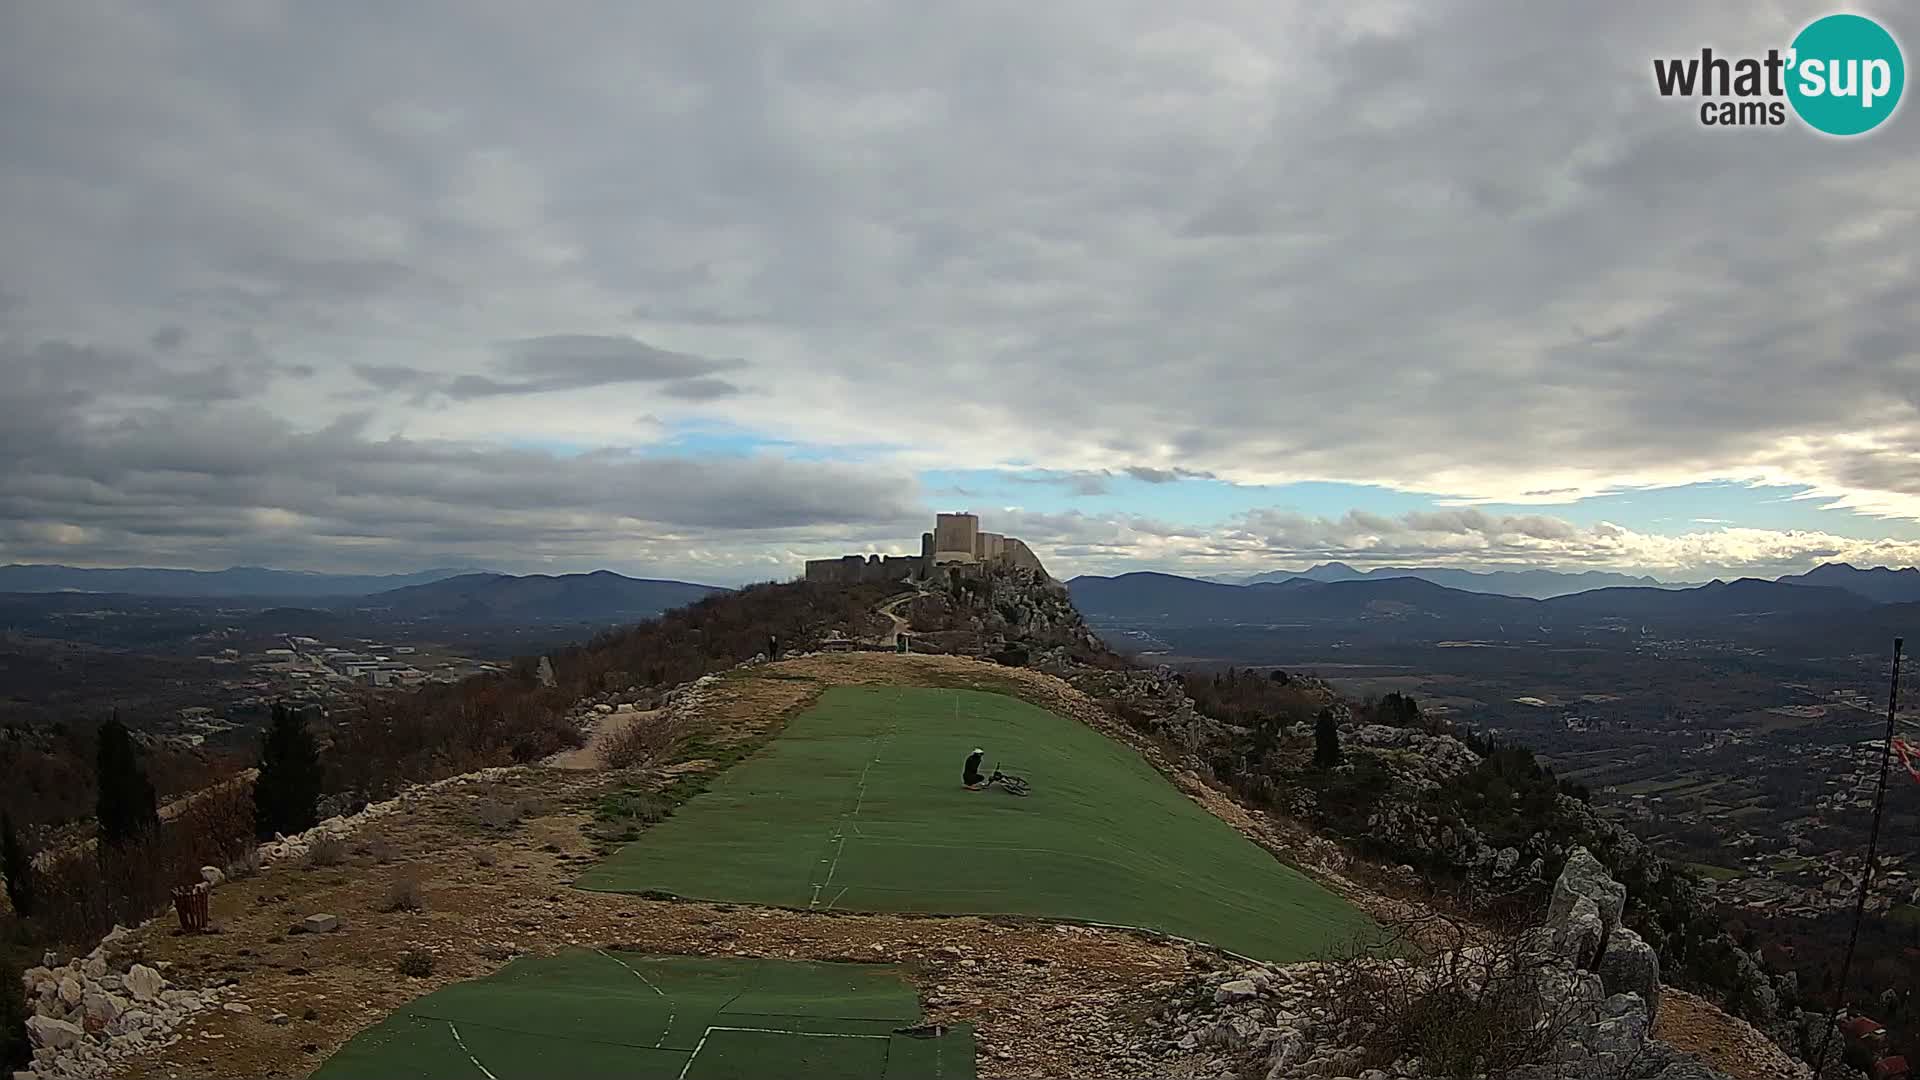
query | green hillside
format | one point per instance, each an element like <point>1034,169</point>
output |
<point>858,806</point>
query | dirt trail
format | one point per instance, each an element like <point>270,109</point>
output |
<point>891,610</point>
<point>605,730</point>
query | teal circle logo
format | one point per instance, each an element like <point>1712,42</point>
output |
<point>1846,74</point>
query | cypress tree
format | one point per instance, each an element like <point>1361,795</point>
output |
<point>17,865</point>
<point>1326,740</point>
<point>286,796</point>
<point>125,804</point>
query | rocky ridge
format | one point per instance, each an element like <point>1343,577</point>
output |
<point>1592,994</point>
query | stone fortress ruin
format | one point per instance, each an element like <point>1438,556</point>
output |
<point>956,546</point>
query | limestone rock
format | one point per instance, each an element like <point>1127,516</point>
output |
<point>1577,938</point>
<point>213,876</point>
<point>320,924</point>
<point>70,991</point>
<point>54,1034</point>
<point>102,1007</point>
<point>1235,990</point>
<point>1630,966</point>
<point>1585,876</point>
<point>144,983</point>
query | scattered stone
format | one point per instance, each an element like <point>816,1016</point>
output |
<point>320,924</point>
<point>53,1034</point>
<point>239,1007</point>
<point>144,983</point>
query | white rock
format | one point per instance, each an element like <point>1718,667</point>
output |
<point>320,924</point>
<point>237,1007</point>
<point>95,966</point>
<point>103,1007</point>
<point>70,991</point>
<point>144,982</point>
<point>1235,990</point>
<point>213,876</point>
<point>53,1034</point>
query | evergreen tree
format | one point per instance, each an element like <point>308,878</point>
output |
<point>16,1051</point>
<point>17,865</point>
<point>287,793</point>
<point>1326,740</point>
<point>125,803</point>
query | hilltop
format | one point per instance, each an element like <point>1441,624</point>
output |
<point>1410,820</point>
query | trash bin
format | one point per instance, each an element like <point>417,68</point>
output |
<point>191,902</point>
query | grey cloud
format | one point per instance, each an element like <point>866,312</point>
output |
<point>258,486</point>
<point>1079,239</point>
<point>1079,483</point>
<point>1165,476</point>
<point>168,338</point>
<point>566,362</point>
<point>700,389</point>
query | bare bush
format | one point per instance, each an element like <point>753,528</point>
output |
<point>404,893</point>
<point>485,857</point>
<point>244,867</point>
<point>326,850</point>
<point>1468,1000</point>
<point>415,963</point>
<point>85,891</point>
<point>640,742</point>
<point>379,849</point>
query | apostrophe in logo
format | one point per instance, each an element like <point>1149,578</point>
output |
<point>1842,75</point>
<point>1847,74</point>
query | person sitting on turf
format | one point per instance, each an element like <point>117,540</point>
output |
<point>972,776</point>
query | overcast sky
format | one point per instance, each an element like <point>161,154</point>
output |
<point>703,289</point>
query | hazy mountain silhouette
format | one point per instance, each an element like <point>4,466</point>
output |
<point>237,581</point>
<point>602,594</point>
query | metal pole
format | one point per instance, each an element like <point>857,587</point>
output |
<point>1866,878</point>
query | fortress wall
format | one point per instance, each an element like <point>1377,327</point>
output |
<point>1019,554</point>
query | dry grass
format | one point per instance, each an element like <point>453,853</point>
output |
<point>327,850</point>
<point>404,893</point>
<point>244,867</point>
<point>640,741</point>
<point>497,813</point>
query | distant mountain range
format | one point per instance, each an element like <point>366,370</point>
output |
<point>1536,584</point>
<point>237,581</point>
<point>602,594</point>
<point>1879,584</point>
<point>1164,599</point>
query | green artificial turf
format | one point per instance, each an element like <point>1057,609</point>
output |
<point>634,1017</point>
<point>858,806</point>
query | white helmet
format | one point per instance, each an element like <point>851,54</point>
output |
<point>977,750</point>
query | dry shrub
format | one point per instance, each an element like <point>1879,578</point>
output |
<point>244,867</point>
<point>485,857</point>
<point>404,893</point>
<point>415,963</point>
<point>379,849</point>
<point>641,742</point>
<point>497,813</point>
<point>84,892</point>
<point>1474,1005</point>
<point>327,850</point>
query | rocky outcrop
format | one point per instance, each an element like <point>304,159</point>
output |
<point>1591,1015</point>
<point>94,1013</point>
